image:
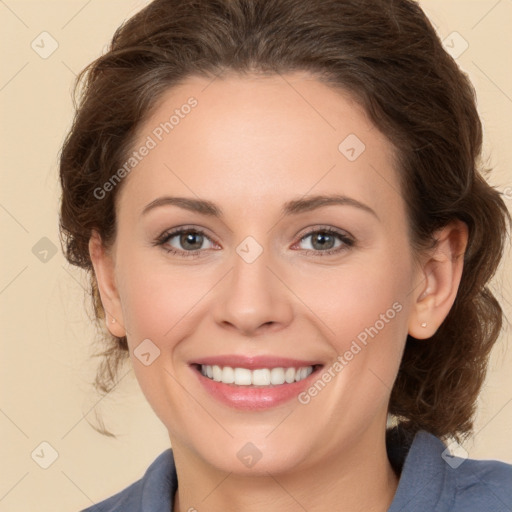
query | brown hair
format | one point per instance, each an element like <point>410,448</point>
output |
<point>388,56</point>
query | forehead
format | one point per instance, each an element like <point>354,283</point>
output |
<point>255,137</point>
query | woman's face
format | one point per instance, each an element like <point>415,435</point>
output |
<point>294,254</point>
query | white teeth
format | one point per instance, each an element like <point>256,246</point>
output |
<point>259,377</point>
<point>289,375</point>
<point>217,373</point>
<point>303,372</point>
<point>277,376</point>
<point>228,375</point>
<point>243,377</point>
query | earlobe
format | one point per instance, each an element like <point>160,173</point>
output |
<point>104,272</point>
<point>440,276</point>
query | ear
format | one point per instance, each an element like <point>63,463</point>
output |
<point>439,276</point>
<point>103,265</point>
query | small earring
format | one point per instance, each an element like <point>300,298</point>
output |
<point>424,324</point>
<point>113,320</point>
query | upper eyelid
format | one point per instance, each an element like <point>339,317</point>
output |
<point>330,229</point>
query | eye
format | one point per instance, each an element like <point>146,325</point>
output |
<point>326,241</point>
<point>187,242</point>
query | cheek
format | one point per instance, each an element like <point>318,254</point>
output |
<point>351,299</point>
<point>154,293</point>
<point>364,313</point>
<point>156,303</point>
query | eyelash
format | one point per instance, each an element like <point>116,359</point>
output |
<point>168,235</point>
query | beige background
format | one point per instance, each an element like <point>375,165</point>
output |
<point>46,337</point>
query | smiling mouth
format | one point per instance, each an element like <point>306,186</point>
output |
<point>259,377</point>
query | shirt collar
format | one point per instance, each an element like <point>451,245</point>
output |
<point>423,472</point>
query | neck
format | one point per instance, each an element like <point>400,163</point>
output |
<point>357,479</point>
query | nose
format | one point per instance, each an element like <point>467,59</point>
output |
<point>253,298</point>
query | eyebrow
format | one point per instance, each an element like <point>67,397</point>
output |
<point>292,207</point>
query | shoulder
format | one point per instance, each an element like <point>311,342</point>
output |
<point>154,491</point>
<point>126,500</point>
<point>483,485</point>
<point>432,479</point>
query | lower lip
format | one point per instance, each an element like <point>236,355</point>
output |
<point>254,398</point>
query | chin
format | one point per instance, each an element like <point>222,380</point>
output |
<point>255,456</point>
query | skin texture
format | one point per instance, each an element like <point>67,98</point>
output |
<point>250,145</point>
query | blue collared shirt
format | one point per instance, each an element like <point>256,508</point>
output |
<point>430,481</point>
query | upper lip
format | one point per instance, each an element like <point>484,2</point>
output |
<point>254,362</point>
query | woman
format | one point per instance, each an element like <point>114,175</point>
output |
<point>288,234</point>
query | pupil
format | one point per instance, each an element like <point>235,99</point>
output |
<point>189,238</point>
<point>323,239</point>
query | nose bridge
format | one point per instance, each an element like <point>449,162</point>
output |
<point>252,296</point>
